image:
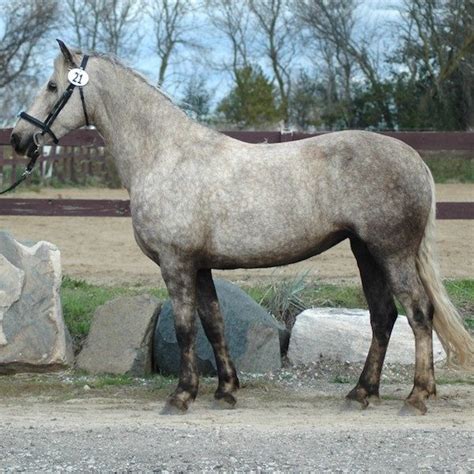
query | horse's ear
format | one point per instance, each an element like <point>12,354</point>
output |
<point>66,53</point>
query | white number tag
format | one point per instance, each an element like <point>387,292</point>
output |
<point>78,77</point>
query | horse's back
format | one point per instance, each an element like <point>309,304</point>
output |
<point>285,202</point>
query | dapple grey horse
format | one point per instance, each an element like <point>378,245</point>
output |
<point>201,200</point>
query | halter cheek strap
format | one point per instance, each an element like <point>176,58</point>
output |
<point>58,106</point>
<point>46,125</point>
<point>81,90</point>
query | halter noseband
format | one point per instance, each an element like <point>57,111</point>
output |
<point>58,106</point>
<point>46,125</point>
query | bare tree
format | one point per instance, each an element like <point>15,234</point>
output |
<point>442,31</point>
<point>334,23</point>
<point>110,25</point>
<point>438,37</point>
<point>24,24</point>
<point>23,27</point>
<point>233,20</point>
<point>84,17</point>
<point>120,32</point>
<point>277,28</point>
<point>170,28</point>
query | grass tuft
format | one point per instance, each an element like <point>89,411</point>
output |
<point>284,300</point>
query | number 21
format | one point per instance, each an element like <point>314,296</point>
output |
<point>78,78</point>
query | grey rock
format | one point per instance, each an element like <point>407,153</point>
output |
<point>120,337</point>
<point>252,334</point>
<point>345,335</point>
<point>33,336</point>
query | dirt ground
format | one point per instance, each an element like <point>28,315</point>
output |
<point>274,428</point>
<point>103,250</point>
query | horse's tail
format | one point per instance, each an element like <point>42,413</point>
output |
<point>447,322</point>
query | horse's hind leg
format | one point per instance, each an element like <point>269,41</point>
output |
<point>213,324</point>
<point>409,290</point>
<point>383,314</point>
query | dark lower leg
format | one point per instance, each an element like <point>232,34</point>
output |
<point>412,295</point>
<point>182,290</point>
<point>424,385</point>
<point>213,324</point>
<point>369,380</point>
<point>383,314</point>
<point>188,382</point>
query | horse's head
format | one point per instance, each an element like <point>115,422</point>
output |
<point>58,107</point>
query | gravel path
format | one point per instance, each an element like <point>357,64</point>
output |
<point>273,429</point>
<point>231,449</point>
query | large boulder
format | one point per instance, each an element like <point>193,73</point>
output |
<point>252,334</point>
<point>33,336</point>
<point>345,335</point>
<point>120,337</point>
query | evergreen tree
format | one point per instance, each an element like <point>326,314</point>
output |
<point>196,99</point>
<point>251,103</point>
<point>304,102</point>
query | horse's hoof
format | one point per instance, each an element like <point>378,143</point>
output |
<point>351,404</point>
<point>224,401</point>
<point>413,408</point>
<point>174,406</point>
<point>356,400</point>
<point>375,400</point>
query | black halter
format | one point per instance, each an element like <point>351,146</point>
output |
<point>46,125</point>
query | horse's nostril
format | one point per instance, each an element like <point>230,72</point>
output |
<point>15,140</point>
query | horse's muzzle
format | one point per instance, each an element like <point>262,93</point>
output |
<point>15,141</point>
<point>23,146</point>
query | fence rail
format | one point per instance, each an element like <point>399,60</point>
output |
<point>81,153</point>
<point>418,140</point>
<point>121,208</point>
<point>421,141</point>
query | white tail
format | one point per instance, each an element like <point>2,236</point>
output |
<point>447,322</point>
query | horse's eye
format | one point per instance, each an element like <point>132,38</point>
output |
<point>52,86</point>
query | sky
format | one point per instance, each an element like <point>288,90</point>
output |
<point>371,12</point>
<point>214,49</point>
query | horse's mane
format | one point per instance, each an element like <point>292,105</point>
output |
<point>116,61</point>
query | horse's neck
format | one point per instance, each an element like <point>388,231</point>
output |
<point>140,126</point>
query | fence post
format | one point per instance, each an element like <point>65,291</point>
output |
<point>74,156</point>
<point>13,175</point>
<point>286,135</point>
<point>1,165</point>
<point>52,157</point>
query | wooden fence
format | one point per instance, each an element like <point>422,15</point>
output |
<point>79,156</point>
<point>82,153</point>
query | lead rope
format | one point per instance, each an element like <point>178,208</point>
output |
<point>28,170</point>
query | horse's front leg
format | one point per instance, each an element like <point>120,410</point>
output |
<point>181,283</point>
<point>213,324</point>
